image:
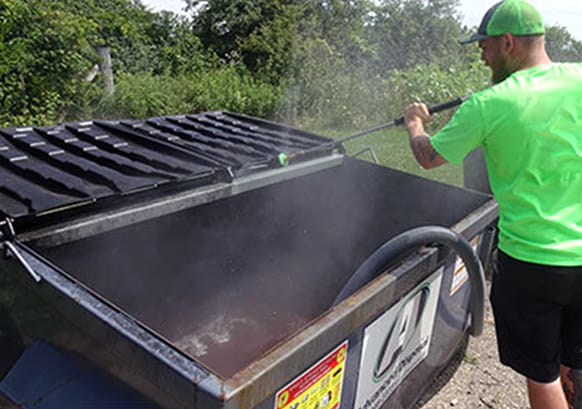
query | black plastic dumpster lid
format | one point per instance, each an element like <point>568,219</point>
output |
<point>48,169</point>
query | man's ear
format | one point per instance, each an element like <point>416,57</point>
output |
<point>508,42</point>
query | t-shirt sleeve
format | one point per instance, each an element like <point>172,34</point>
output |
<point>462,134</point>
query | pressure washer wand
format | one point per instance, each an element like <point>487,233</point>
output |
<point>284,158</point>
<point>400,120</point>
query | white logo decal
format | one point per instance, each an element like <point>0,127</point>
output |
<point>396,343</point>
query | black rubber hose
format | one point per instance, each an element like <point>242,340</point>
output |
<point>381,259</point>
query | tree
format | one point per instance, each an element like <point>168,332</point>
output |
<point>48,47</point>
<point>139,40</point>
<point>266,36</point>
<point>342,24</point>
<point>44,56</point>
<point>411,32</point>
<point>166,45</point>
<point>260,34</point>
<point>561,46</point>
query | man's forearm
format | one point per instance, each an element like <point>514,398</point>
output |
<point>421,147</point>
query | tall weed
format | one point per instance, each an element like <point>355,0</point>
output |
<point>146,95</point>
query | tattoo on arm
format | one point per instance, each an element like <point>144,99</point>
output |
<point>424,152</point>
<point>433,154</point>
<point>572,385</point>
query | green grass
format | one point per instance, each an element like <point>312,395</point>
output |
<point>393,151</point>
<point>471,359</point>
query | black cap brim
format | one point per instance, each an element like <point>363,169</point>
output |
<point>475,37</point>
<point>481,33</point>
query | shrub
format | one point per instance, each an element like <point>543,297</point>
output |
<point>145,95</point>
<point>433,84</point>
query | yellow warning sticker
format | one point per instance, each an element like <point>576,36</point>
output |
<point>318,387</point>
<point>460,274</point>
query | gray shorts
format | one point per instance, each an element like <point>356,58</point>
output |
<point>538,317</point>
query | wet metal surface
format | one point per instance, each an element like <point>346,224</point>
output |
<point>91,224</point>
<point>45,169</point>
<point>228,281</point>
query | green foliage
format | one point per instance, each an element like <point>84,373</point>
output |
<point>43,55</point>
<point>172,48</point>
<point>365,71</point>
<point>259,34</point>
<point>326,92</point>
<point>146,95</point>
<point>139,39</point>
<point>411,32</point>
<point>47,48</point>
<point>166,45</point>
<point>268,51</point>
<point>432,84</point>
<point>265,35</point>
<point>561,46</point>
<point>343,64</point>
<point>327,89</point>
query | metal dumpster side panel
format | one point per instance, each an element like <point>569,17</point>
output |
<point>449,340</point>
<point>113,341</point>
<point>297,236</point>
<point>348,322</point>
<point>344,322</point>
<point>354,314</point>
<point>190,383</point>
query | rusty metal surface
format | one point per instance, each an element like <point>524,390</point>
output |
<point>71,316</point>
<point>222,303</point>
<point>228,281</point>
<point>246,388</point>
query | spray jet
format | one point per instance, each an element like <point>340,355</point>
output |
<point>284,159</point>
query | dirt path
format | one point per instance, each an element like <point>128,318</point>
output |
<point>481,381</point>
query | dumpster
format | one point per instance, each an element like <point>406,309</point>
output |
<point>178,258</point>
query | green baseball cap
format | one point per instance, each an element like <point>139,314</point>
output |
<point>517,17</point>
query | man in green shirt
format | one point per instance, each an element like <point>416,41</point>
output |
<point>529,124</point>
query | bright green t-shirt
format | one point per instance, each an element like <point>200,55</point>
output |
<point>530,127</point>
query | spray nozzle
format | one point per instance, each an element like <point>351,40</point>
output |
<point>283,159</point>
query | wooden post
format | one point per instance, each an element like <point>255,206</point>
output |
<point>106,70</point>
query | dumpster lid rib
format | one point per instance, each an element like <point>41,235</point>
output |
<point>54,168</point>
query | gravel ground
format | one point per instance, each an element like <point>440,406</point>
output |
<point>481,381</point>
